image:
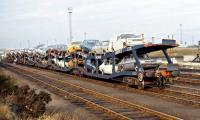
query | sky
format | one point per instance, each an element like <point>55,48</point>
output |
<point>47,21</point>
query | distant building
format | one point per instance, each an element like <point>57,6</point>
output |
<point>2,51</point>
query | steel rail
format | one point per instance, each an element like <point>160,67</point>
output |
<point>109,98</point>
<point>184,88</point>
<point>174,97</point>
<point>80,99</point>
<point>188,80</point>
<point>149,92</point>
<point>183,97</point>
<point>191,75</point>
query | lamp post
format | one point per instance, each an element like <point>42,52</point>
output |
<point>85,34</point>
<point>153,40</point>
<point>28,41</point>
<point>181,41</point>
<point>199,47</point>
<point>56,43</point>
<point>70,24</point>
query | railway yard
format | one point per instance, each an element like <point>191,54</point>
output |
<point>114,100</point>
<point>117,60</point>
<point>114,82</point>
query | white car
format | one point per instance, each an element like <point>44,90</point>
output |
<point>128,63</point>
<point>60,63</point>
<point>88,45</point>
<point>100,48</point>
<point>124,40</point>
<point>106,67</point>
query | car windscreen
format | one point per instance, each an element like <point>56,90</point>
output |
<point>76,42</point>
<point>91,43</point>
<point>105,43</point>
<point>143,56</point>
<point>125,36</point>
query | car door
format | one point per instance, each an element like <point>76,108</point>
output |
<point>119,43</point>
<point>109,69</point>
<point>106,67</point>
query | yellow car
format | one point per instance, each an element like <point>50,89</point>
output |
<point>74,47</point>
<point>75,52</point>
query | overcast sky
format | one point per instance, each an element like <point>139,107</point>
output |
<point>40,21</point>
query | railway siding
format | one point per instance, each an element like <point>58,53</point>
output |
<point>166,94</point>
<point>99,95</point>
<point>183,110</point>
<point>188,80</point>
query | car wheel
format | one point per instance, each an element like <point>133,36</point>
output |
<point>161,82</point>
<point>140,82</point>
<point>102,72</point>
<point>140,85</point>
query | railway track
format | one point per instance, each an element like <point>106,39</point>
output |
<point>193,75</point>
<point>174,93</point>
<point>185,88</point>
<point>190,70</point>
<point>111,107</point>
<point>178,96</point>
<point>188,79</point>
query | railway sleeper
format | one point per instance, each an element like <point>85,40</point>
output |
<point>100,102</point>
<point>122,110</point>
<point>184,89</point>
<point>146,118</point>
<point>87,102</point>
<point>184,95</point>
<point>116,108</point>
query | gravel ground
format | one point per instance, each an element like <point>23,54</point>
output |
<point>58,104</point>
<point>183,111</point>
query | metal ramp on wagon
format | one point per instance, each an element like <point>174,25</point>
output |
<point>139,72</point>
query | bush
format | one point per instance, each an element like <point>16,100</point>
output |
<point>57,116</point>
<point>5,113</point>
<point>6,87</point>
<point>25,102</point>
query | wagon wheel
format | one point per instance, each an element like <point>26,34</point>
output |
<point>122,68</point>
<point>77,72</point>
<point>161,82</point>
<point>140,82</point>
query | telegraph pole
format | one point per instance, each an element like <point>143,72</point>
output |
<point>20,44</point>
<point>199,47</point>
<point>152,40</point>
<point>70,25</point>
<point>56,43</point>
<point>47,43</point>
<point>85,34</point>
<point>181,41</point>
<point>28,44</point>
